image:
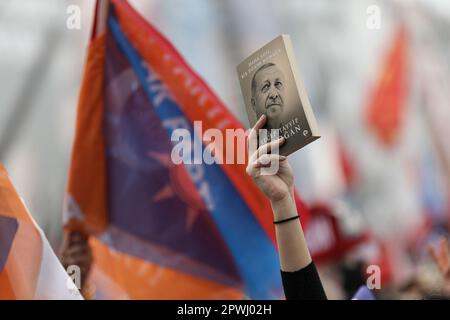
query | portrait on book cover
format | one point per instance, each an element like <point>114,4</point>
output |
<point>268,94</point>
<point>269,87</point>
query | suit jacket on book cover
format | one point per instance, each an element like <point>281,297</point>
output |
<point>271,86</point>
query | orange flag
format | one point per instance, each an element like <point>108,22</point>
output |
<point>29,268</point>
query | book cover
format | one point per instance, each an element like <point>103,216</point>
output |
<point>271,85</point>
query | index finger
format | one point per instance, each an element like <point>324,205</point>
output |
<point>253,135</point>
<point>258,125</point>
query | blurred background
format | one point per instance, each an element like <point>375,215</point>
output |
<point>377,74</point>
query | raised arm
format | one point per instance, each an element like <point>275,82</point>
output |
<point>300,278</point>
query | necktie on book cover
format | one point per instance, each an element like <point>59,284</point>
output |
<point>29,269</point>
<point>161,230</point>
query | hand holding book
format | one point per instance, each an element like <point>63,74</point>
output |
<point>279,189</point>
<point>279,185</point>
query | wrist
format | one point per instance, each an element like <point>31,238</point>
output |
<point>286,200</point>
<point>284,208</point>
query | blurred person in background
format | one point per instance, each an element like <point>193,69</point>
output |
<point>431,279</point>
<point>441,257</point>
<point>75,251</point>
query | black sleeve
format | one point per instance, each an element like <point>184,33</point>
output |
<point>303,284</point>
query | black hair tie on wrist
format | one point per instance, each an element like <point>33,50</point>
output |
<point>286,220</point>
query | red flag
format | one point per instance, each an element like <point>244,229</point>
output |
<point>386,111</point>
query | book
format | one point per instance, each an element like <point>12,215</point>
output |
<point>271,85</point>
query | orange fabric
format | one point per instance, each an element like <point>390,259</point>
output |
<point>386,112</point>
<point>11,204</point>
<point>87,174</point>
<point>143,280</point>
<point>87,185</point>
<point>7,292</point>
<point>23,265</point>
<point>18,279</point>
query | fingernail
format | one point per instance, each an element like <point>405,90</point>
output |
<point>283,157</point>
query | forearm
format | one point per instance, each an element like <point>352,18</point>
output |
<point>292,247</point>
<point>300,278</point>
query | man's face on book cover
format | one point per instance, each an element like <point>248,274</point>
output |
<point>268,92</point>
